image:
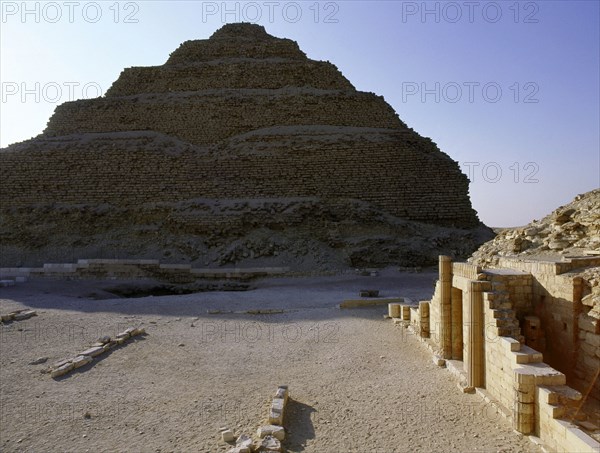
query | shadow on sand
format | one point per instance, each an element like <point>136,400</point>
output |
<point>299,416</point>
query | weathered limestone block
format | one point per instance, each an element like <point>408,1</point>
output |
<point>276,411</point>
<point>103,340</point>
<point>227,435</point>
<point>81,360</point>
<point>394,310</point>
<point>64,369</point>
<point>24,315</point>
<point>271,430</point>
<point>93,352</point>
<point>244,443</point>
<point>270,443</point>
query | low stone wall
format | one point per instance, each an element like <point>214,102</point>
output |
<point>105,268</point>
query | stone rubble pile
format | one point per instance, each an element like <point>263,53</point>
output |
<point>573,229</point>
<point>17,315</point>
<point>101,346</point>
<point>269,436</point>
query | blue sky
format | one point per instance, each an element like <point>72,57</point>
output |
<point>508,89</point>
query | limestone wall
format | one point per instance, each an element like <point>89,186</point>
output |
<point>574,341</point>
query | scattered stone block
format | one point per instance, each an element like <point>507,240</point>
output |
<point>94,351</point>
<point>64,369</point>
<point>282,392</point>
<point>81,360</point>
<point>244,443</point>
<point>278,432</point>
<point>61,363</point>
<point>129,330</point>
<point>227,436</point>
<point>439,361</point>
<point>24,315</point>
<point>270,443</point>
<point>38,361</point>
<point>103,340</point>
<point>138,331</point>
<point>369,293</point>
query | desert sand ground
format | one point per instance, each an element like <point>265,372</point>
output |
<point>357,382</point>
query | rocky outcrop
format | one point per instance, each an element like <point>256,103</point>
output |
<point>573,229</point>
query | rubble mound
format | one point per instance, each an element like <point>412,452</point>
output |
<point>238,148</point>
<point>570,230</point>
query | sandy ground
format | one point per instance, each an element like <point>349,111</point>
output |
<point>357,382</point>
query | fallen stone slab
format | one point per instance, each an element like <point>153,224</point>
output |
<point>38,361</point>
<point>270,443</point>
<point>368,293</point>
<point>243,444</point>
<point>18,315</point>
<point>24,315</point>
<point>103,340</point>
<point>64,369</point>
<point>81,360</point>
<point>94,351</point>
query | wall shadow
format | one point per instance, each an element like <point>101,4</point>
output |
<point>299,416</point>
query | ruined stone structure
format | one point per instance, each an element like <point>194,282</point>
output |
<point>518,333</point>
<point>239,147</point>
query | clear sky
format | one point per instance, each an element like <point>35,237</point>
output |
<point>509,89</point>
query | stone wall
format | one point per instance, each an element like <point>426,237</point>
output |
<point>532,393</point>
<point>573,344</point>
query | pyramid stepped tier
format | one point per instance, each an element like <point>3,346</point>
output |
<point>278,162</point>
<point>236,73</point>
<point>208,116</point>
<point>236,40</point>
<point>241,116</point>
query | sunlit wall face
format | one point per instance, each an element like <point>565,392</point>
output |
<point>510,90</point>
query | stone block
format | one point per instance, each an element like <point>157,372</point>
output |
<point>270,443</point>
<point>244,443</point>
<point>276,411</point>
<point>394,310</point>
<point>282,392</point>
<point>24,315</point>
<point>227,436</point>
<point>81,360</point>
<point>62,370</point>
<point>271,430</point>
<point>93,352</point>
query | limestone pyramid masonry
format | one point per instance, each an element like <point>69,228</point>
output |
<point>239,148</point>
